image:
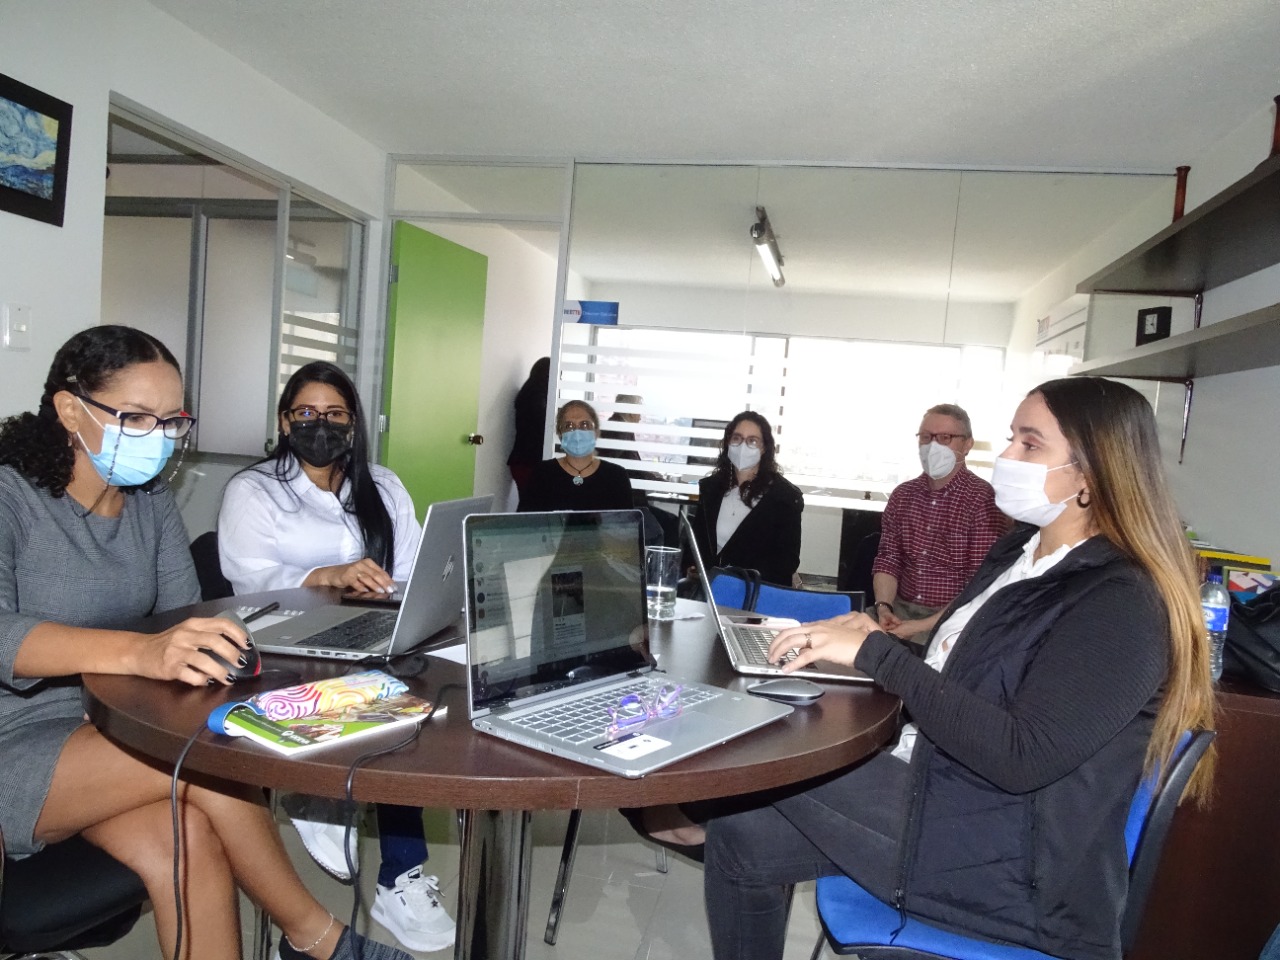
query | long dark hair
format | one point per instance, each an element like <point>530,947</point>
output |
<point>37,445</point>
<point>724,471</point>
<point>363,501</point>
<point>1112,432</point>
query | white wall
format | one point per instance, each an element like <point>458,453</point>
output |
<point>146,277</point>
<point>88,51</point>
<point>1224,485</point>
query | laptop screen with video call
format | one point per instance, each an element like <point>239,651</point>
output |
<point>553,600</point>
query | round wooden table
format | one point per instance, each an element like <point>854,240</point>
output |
<point>497,783</point>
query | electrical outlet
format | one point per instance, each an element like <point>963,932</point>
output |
<point>15,326</point>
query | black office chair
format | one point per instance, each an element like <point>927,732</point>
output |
<point>856,923</point>
<point>69,896</point>
<point>204,553</point>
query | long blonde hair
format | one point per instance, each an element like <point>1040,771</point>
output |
<point>1112,432</point>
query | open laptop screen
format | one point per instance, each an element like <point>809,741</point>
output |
<point>553,599</point>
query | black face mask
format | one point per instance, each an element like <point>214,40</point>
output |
<point>321,443</point>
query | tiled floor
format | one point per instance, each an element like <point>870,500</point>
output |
<point>619,907</point>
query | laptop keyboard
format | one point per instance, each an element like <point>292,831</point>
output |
<point>755,641</point>
<point>359,633</point>
<point>584,719</point>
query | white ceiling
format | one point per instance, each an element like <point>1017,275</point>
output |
<point>1097,85</point>
<point>1068,84</point>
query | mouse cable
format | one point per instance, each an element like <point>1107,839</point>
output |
<point>177,839</point>
<point>349,807</point>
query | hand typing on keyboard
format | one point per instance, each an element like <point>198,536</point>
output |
<point>837,640</point>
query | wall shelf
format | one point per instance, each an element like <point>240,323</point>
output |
<point>1229,236</point>
<point>1247,342</point>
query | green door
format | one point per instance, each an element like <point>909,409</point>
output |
<point>431,395</point>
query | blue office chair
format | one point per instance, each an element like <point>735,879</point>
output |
<point>854,922</point>
<point>806,605</point>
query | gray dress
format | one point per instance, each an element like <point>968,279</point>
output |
<point>82,571</point>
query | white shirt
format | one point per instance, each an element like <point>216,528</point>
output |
<point>732,512</point>
<point>1026,567</point>
<point>272,534</point>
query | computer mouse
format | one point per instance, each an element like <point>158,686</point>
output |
<point>787,689</point>
<point>252,659</point>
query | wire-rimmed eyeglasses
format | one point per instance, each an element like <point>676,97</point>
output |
<point>635,710</point>
<point>137,424</point>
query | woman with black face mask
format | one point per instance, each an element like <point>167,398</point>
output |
<point>317,513</point>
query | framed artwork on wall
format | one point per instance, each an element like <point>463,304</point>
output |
<point>35,144</point>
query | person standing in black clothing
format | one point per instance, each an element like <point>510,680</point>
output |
<point>748,513</point>
<point>1064,673</point>
<point>531,422</point>
<point>579,480</point>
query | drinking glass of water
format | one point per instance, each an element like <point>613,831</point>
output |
<point>661,571</point>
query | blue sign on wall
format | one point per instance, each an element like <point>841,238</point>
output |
<point>591,311</point>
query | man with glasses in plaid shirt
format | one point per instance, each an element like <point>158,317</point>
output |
<point>936,529</point>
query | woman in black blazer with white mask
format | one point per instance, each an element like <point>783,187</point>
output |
<point>748,514</point>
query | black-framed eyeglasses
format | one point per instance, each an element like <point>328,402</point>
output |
<point>943,438</point>
<point>338,416</point>
<point>579,425</point>
<point>755,443</point>
<point>137,424</point>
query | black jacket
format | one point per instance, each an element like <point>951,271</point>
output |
<point>1032,740</point>
<point>768,539</point>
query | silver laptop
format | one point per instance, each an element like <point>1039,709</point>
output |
<point>557,652</point>
<point>432,600</point>
<point>747,643</point>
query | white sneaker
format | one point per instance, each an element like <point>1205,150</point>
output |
<point>412,911</point>
<point>324,842</point>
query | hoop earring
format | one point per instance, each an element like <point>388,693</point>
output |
<point>1084,499</point>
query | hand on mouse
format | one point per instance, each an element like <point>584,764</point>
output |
<point>361,574</point>
<point>837,640</point>
<point>188,652</point>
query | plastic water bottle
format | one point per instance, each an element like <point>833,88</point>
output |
<point>1216,604</point>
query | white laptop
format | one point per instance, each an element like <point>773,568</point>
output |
<point>432,600</point>
<point>557,652</point>
<point>747,641</point>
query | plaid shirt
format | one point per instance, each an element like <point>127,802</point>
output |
<point>933,541</point>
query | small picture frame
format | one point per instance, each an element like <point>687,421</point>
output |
<point>35,146</point>
<point>1153,324</point>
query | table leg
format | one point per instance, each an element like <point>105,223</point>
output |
<point>493,888</point>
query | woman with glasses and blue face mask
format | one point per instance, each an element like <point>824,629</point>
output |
<point>579,480</point>
<point>318,513</point>
<point>748,513</point>
<point>91,540</point>
<point>1065,671</point>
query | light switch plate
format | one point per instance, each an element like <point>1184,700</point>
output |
<point>15,326</point>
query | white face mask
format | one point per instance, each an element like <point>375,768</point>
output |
<point>1020,493</point>
<point>937,459</point>
<point>743,457</point>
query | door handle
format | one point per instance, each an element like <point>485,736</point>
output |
<point>475,439</point>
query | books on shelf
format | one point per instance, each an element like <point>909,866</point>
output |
<point>1215,556</point>
<point>294,720</point>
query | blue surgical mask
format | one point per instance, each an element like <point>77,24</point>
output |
<point>578,443</point>
<point>129,461</point>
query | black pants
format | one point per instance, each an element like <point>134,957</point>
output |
<point>849,824</point>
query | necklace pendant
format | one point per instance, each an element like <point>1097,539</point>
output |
<point>577,481</point>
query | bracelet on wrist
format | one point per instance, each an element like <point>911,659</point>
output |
<point>882,603</point>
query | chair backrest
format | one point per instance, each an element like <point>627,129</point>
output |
<point>806,605</point>
<point>856,574</point>
<point>204,554</point>
<point>69,896</point>
<point>1150,817</point>
<point>735,588</point>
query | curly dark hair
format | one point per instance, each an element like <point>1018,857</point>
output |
<point>754,488</point>
<point>363,500</point>
<point>37,445</point>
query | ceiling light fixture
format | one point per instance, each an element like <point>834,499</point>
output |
<point>767,246</point>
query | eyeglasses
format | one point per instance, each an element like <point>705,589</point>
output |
<point>635,710</point>
<point>136,424</point>
<point>737,440</point>
<point>336,415</point>
<point>580,425</point>
<point>943,438</point>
